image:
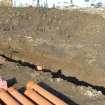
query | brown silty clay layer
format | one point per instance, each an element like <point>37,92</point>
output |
<point>58,39</point>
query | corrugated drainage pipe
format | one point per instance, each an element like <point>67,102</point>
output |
<point>45,93</point>
<point>7,99</point>
<point>18,96</point>
<point>36,97</point>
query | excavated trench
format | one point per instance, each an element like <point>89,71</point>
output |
<point>51,76</point>
<point>57,39</point>
<point>12,81</point>
<point>68,43</point>
<point>57,74</point>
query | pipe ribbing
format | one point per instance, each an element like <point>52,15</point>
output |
<point>45,93</point>
<point>7,99</point>
<point>21,98</point>
<point>36,97</point>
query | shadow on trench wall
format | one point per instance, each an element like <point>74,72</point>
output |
<point>20,62</point>
<point>75,81</point>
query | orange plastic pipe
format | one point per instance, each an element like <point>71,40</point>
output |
<point>36,97</point>
<point>45,93</point>
<point>22,99</point>
<point>7,99</point>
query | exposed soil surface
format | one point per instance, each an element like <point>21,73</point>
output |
<point>70,40</point>
<point>69,89</point>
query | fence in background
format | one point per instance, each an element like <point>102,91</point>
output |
<point>41,3</point>
<point>52,3</point>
